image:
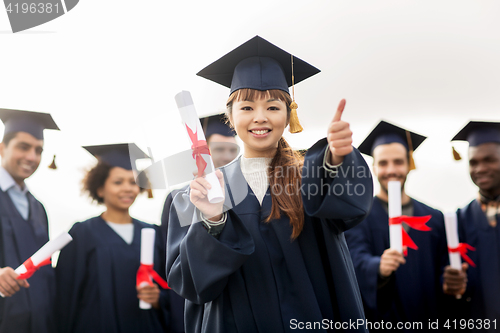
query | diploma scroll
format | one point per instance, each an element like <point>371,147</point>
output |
<point>147,258</point>
<point>395,230</point>
<point>450,222</point>
<point>456,249</point>
<point>42,256</point>
<point>199,145</point>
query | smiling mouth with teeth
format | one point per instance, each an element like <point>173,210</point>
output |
<point>260,132</point>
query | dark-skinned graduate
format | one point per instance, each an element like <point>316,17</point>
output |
<point>398,289</point>
<point>27,305</point>
<point>97,275</point>
<point>478,225</point>
<point>272,256</point>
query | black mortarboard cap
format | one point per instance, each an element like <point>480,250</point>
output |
<point>216,124</point>
<point>385,133</point>
<point>121,155</point>
<point>479,132</point>
<point>260,65</point>
<point>26,121</point>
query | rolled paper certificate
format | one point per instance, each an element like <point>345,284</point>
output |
<point>450,222</point>
<point>147,258</point>
<point>42,256</point>
<point>199,145</point>
<point>395,230</point>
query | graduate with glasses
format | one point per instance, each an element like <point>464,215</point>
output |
<point>277,259</point>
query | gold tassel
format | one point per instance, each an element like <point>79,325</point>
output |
<point>53,164</point>
<point>295,126</point>
<point>150,193</point>
<point>411,161</point>
<point>456,155</point>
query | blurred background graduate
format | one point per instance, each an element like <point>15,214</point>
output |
<point>395,287</point>
<point>223,148</point>
<point>478,224</point>
<point>96,275</point>
<point>23,225</point>
<point>276,259</point>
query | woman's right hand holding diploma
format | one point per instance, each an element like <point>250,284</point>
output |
<point>8,283</point>
<point>198,196</point>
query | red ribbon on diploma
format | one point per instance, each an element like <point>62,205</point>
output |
<point>462,248</point>
<point>31,268</point>
<point>146,273</point>
<point>199,147</point>
<point>414,222</point>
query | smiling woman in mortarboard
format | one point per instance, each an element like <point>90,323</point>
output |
<point>277,260</point>
<point>96,274</point>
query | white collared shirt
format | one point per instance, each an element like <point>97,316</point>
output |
<point>17,195</point>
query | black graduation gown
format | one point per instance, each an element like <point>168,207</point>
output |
<point>254,278</point>
<point>29,310</point>
<point>414,292</point>
<point>176,301</point>
<point>96,279</point>
<point>483,287</point>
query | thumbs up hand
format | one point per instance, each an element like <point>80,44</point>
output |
<point>339,137</point>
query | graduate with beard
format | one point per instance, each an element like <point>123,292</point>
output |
<point>478,224</point>
<point>395,287</point>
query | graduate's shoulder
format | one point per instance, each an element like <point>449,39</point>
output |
<point>228,168</point>
<point>420,205</point>
<point>85,228</point>
<point>143,224</point>
<point>467,207</point>
<point>469,210</point>
<point>35,201</point>
<point>437,220</point>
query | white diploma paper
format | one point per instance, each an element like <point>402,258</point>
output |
<point>191,120</point>
<point>395,231</point>
<point>147,256</point>
<point>450,222</point>
<point>46,252</point>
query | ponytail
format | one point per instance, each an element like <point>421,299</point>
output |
<point>285,182</point>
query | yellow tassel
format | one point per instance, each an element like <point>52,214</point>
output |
<point>412,161</point>
<point>53,164</point>
<point>295,126</point>
<point>456,155</point>
<point>150,193</point>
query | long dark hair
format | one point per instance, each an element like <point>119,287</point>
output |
<point>285,168</point>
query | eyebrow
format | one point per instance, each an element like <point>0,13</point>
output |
<point>272,100</point>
